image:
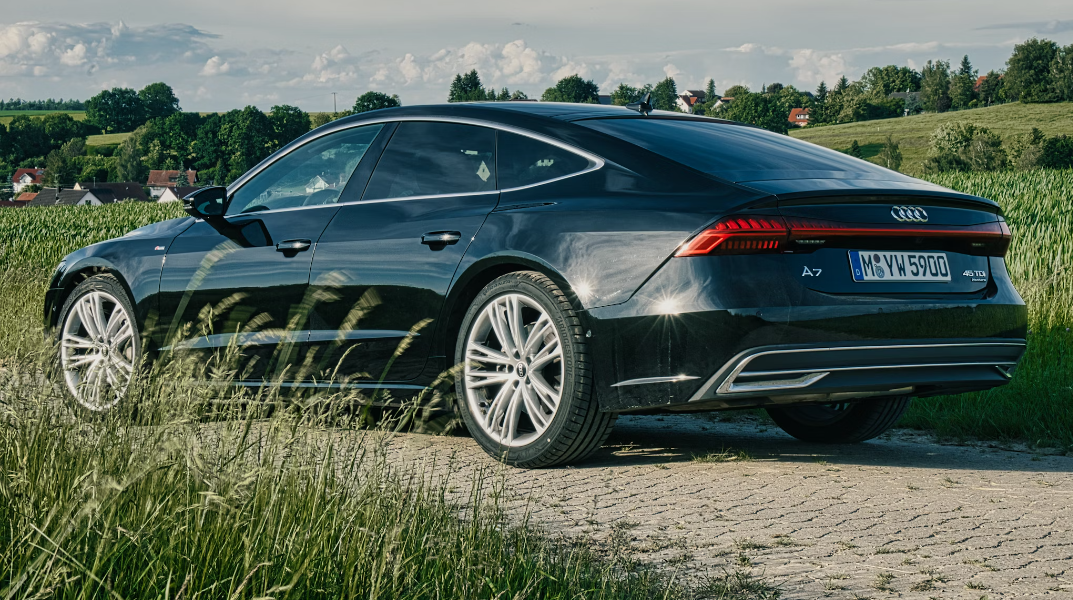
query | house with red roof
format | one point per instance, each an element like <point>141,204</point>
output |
<point>798,117</point>
<point>689,99</point>
<point>26,177</point>
<point>162,180</point>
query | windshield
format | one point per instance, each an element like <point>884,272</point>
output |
<point>738,153</point>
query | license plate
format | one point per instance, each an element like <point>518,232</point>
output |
<point>870,266</point>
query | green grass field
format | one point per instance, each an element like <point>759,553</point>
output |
<point>106,139</point>
<point>7,115</point>
<point>912,133</point>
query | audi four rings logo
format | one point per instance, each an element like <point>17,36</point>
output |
<point>909,214</point>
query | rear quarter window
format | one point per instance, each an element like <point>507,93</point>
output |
<point>736,152</point>
<point>526,161</point>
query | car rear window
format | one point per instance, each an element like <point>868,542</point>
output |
<point>735,152</point>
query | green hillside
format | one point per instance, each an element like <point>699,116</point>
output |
<point>912,133</point>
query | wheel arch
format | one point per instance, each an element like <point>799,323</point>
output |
<point>76,274</point>
<point>474,279</point>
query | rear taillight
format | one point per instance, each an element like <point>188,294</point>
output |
<point>766,234</point>
<point>739,235</point>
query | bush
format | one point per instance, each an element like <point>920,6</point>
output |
<point>1056,153</point>
<point>961,146</point>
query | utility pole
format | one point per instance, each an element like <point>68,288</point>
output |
<point>335,108</point>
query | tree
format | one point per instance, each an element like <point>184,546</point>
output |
<point>891,154</point>
<point>1028,71</point>
<point>855,150</point>
<point>60,169</point>
<point>818,113</point>
<point>758,109</point>
<point>518,95</point>
<point>129,166</point>
<point>841,85</point>
<point>881,82</point>
<point>665,95</point>
<point>376,100</point>
<point>182,180</point>
<point>116,110</point>
<point>158,100</point>
<point>709,91</point>
<point>247,137</point>
<point>26,138</point>
<point>962,85</point>
<point>468,88</point>
<point>288,122</point>
<point>935,86</point>
<point>736,90</point>
<point>1062,73</point>
<point>992,88</point>
<point>573,89</point>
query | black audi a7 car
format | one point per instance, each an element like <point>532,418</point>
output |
<point>578,262</point>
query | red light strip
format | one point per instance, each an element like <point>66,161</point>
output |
<point>770,232</point>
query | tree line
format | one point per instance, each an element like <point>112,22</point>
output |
<point>50,104</point>
<point>223,146</point>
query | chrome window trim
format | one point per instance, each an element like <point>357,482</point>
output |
<point>595,162</point>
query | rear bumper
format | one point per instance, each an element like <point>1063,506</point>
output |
<point>700,336</point>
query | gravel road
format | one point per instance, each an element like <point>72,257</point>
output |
<point>900,516</point>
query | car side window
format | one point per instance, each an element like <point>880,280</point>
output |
<point>312,174</point>
<point>429,158</point>
<point>525,161</point>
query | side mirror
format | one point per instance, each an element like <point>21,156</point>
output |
<point>206,203</point>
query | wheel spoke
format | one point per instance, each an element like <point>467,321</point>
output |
<point>116,321</point>
<point>546,355</point>
<point>513,414</point>
<point>533,408</point>
<point>536,335</point>
<point>481,353</point>
<point>486,378</point>
<point>98,314</point>
<point>548,394</point>
<point>82,360</point>
<point>495,408</point>
<point>125,333</point>
<point>514,321</point>
<point>74,342</point>
<point>84,308</point>
<point>499,325</point>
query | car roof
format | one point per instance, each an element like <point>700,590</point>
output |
<point>512,111</point>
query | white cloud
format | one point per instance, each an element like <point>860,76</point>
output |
<point>215,66</point>
<point>813,66</point>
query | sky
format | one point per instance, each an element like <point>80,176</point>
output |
<point>223,54</point>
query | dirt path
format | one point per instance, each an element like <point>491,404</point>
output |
<point>897,517</point>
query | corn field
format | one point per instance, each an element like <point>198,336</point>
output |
<point>1038,206</point>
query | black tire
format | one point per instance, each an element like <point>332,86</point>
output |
<point>578,427</point>
<point>111,286</point>
<point>840,423</point>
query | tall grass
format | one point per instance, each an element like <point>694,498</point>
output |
<point>1037,406</point>
<point>197,495</point>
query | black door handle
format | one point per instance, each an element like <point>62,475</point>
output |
<point>441,238</point>
<point>293,245</point>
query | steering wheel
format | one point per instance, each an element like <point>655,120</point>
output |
<point>325,196</point>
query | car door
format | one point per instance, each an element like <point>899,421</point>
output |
<point>389,259</point>
<point>244,277</point>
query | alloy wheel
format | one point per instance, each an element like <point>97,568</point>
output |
<point>513,370</point>
<point>97,351</point>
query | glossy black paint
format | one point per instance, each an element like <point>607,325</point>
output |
<point>606,236</point>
